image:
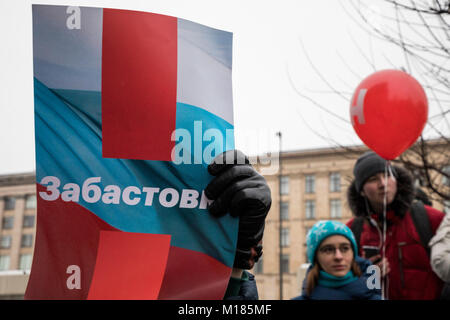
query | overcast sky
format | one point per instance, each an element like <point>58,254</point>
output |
<point>278,47</point>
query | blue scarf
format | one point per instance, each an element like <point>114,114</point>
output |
<point>330,281</point>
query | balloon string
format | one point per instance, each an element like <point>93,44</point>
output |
<point>391,174</point>
<point>384,278</point>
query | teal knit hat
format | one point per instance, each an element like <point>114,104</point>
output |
<point>323,229</point>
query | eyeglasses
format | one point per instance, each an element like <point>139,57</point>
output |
<point>331,250</point>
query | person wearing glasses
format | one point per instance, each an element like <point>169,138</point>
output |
<point>336,271</point>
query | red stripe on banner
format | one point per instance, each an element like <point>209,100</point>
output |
<point>67,237</point>
<point>129,266</point>
<point>193,275</point>
<point>139,84</point>
<point>67,234</point>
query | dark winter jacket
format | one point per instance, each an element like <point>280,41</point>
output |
<point>248,289</point>
<point>356,290</point>
<point>411,276</point>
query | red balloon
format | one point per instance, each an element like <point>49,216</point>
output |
<point>389,110</point>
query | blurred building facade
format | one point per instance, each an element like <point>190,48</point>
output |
<point>17,232</point>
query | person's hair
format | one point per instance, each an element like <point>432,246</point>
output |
<point>313,275</point>
<point>311,279</point>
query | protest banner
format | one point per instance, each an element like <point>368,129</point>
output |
<point>130,108</point>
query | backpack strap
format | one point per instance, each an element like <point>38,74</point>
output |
<point>422,223</point>
<point>357,227</point>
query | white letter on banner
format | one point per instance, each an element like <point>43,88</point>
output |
<point>87,188</point>
<point>189,198</point>
<point>150,193</point>
<point>214,147</point>
<point>111,194</point>
<point>53,188</point>
<point>74,21</point>
<point>72,192</point>
<point>181,152</point>
<point>198,142</point>
<point>126,195</point>
<point>74,281</point>
<point>163,197</point>
<point>204,201</point>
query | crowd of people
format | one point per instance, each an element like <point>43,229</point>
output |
<point>395,234</point>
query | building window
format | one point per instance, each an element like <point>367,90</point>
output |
<point>7,223</point>
<point>258,268</point>
<point>28,221</point>
<point>5,242</point>
<point>418,178</point>
<point>284,211</point>
<point>310,209</point>
<point>27,240</point>
<point>284,237</point>
<point>335,208</point>
<point>4,263</point>
<point>310,181</point>
<point>284,185</point>
<point>445,180</point>
<point>285,263</point>
<point>10,203</point>
<point>447,207</point>
<point>25,261</point>
<point>335,182</point>
<point>30,202</point>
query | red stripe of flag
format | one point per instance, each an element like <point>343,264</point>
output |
<point>129,266</point>
<point>193,275</point>
<point>139,84</point>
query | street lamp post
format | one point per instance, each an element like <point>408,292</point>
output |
<point>279,226</point>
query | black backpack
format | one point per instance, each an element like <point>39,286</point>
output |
<point>423,227</point>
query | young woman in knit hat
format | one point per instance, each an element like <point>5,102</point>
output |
<point>336,271</point>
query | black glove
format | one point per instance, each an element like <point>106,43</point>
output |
<point>238,189</point>
<point>246,259</point>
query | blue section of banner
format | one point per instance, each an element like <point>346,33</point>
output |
<point>69,146</point>
<point>200,135</point>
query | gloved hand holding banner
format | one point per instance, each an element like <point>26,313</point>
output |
<point>130,108</point>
